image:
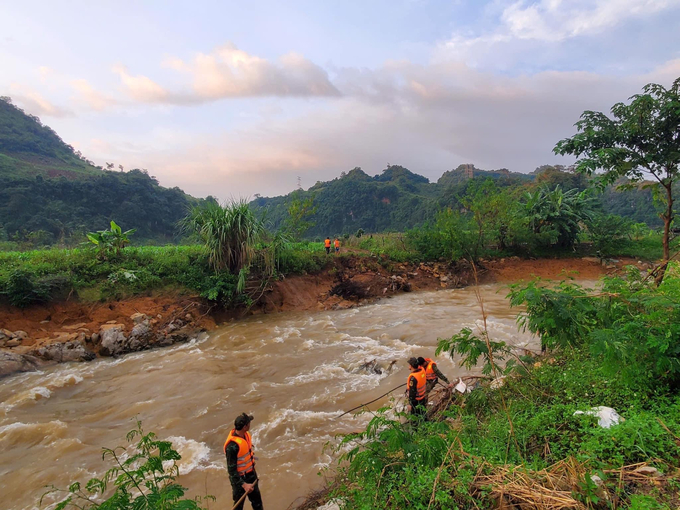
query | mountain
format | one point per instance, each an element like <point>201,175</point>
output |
<point>29,148</point>
<point>49,193</point>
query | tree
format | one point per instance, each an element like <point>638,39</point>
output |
<point>300,210</point>
<point>641,140</point>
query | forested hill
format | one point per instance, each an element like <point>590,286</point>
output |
<point>49,193</point>
<point>398,199</point>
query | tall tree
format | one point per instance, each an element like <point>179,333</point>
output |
<point>641,141</point>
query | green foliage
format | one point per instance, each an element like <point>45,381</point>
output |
<point>558,214</point>
<point>300,210</point>
<point>606,231</point>
<point>143,480</point>
<point>632,325</point>
<point>229,233</point>
<point>638,142</point>
<point>111,241</point>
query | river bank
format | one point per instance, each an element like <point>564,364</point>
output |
<point>73,330</point>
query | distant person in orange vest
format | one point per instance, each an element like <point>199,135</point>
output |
<point>327,244</point>
<point>337,245</point>
<point>241,463</point>
<point>416,384</point>
<point>432,373</point>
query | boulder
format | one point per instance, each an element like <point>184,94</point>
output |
<point>138,317</point>
<point>140,337</point>
<point>13,342</point>
<point>113,341</point>
<point>5,334</point>
<point>11,363</point>
<point>69,351</point>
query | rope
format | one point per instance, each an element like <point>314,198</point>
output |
<point>362,405</point>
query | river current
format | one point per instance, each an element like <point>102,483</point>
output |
<point>295,372</point>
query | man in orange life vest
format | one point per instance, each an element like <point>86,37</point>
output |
<point>416,387</point>
<point>241,463</point>
<point>432,373</point>
<point>327,245</point>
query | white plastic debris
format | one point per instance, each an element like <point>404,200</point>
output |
<point>497,382</point>
<point>461,387</point>
<point>606,416</point>
<point>333,504</point>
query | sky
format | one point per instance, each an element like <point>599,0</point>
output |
<point>233,99</point>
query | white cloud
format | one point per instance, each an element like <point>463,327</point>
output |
<point>95,100</point>
<point>34,103</point>
<point>230,72</point>
<point>555,20</point>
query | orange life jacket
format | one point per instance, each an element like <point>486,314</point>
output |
<point>246,460</point>
<point>327,243</point>
<point>421,381</point>
<point>429,372</point>
<point>337,243</point>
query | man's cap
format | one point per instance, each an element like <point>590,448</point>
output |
<point>413,362</point>
<point>242,420</point>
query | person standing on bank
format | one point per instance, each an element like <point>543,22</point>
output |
<point>241,463</point>
<point>327,245</point>
<point>432,374</point>
<point>416,387</point>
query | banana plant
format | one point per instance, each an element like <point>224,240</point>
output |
<point>110,241</point>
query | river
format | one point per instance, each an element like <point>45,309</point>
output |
<point>295,372</point>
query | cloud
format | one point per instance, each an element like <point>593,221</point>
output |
<point>95,100</point>
<point>142,88</point>
<point>35,104</point>
<point>555,20</point>
<point>228,72</point>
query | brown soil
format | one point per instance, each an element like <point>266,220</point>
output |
<point>46,323</point>
<point>516,270</point>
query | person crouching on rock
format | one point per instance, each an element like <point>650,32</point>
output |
<point>432,374</point>
<point>241,463</point>
<point>416,384</point>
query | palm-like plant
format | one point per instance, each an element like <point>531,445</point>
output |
<point>229,233</point>
<point>108,241</point>
<point>559,212</point>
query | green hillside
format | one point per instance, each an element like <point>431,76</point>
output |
<point>29,148</point>
<point>50,194</point>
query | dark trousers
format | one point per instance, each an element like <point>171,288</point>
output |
<point>255,497</point>
<point>419,408</point>
<point>328,250</point>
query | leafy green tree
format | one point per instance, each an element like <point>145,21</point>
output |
<point>606,232</point>
<point>300,210</point>
<point>558,213</point>
<point>145,480</point>
<point>641,140</point>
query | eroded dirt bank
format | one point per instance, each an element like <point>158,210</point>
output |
<point>76,331</point>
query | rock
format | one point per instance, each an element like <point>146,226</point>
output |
<point>6,334</point>
<point>649,471</point>
<point>443,279</point>
<point>113,341</point>
<point>189,317</point>
<point>138,317</point>
<point>75,326</point>
<point>68,351</point>
<point>13,342</point>
<point>95,338</point>
<point>140,336</point>
<point>111,322</point>
<point>21,335</point>
<point>11,363</point>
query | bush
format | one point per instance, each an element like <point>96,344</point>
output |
<point>145,479</point>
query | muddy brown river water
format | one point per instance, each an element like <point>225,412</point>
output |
<point>294,371</point>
